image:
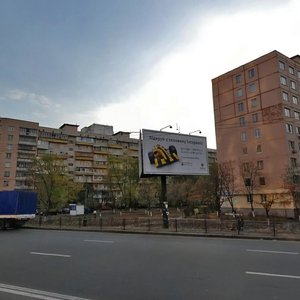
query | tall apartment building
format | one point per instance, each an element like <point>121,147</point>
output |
<point>18,147</point>
<point>84,152</point>
<point>257,119</point>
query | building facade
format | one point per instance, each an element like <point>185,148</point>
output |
<point>257,119</point>
<point>85,153</point>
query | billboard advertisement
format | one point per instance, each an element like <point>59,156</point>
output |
<point>164,153</point>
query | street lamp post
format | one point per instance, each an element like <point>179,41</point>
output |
<point>198,131</point>
<point>168,126</point>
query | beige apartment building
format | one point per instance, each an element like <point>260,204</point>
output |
<point>18,147</point>
<point>257,119</point>
<point>84,152</point>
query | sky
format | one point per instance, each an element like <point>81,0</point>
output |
<point>132,64</point>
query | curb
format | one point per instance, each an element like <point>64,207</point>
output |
<point>202,235</point>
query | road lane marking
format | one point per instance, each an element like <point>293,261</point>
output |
<point>37,294</point>
<point>99,241</point>
<point>272,275</point>
<point>50,254</point>
<point>270,251</point>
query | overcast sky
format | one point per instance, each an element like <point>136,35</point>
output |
<point>132,64</point>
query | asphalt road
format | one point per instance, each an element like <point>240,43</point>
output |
<point>37,264</point>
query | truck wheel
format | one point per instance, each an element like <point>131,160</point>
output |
<point>3,224</point>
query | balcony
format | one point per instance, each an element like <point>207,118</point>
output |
<point>29,142</point>
<point>28,132</point>
<point>84,156</point>
<point>115,146</point>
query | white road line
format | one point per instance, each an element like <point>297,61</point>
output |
<point>276,252</point>
<point>99,241</point>
<point>37,294</point>
<point>50,254</point>
<point>272,275</point>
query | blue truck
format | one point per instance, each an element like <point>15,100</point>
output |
<point>16,208</point>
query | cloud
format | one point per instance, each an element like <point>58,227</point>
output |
<point>35,99</point>
<point>178,89</point>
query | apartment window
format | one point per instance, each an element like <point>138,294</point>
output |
<point>283,80</point>
<point>263,198</point>
<point>249,198</point>
<point>255,118</point>
<point>9,146</point>
<point>251,73</point>
<point>242,121</point>
<point>10,128</point>
<point>298,74</point>
<point>293,84</point>
<point>5,183</point>
<point>243,136</point>
<point>238,78</point>
<point>295,100</point>
<point>247,182</point>
<point>10,137</point>
<point>260,164</point>
<point>292,145</point>
<point>285,96</point>
<point>257,133</point>
<point>287,112</point>
<point>6,173</point>
<point>253,102</point>
<point>258,148</point>
<point>289,128</point>
<point>297,115</point>
<point>281,65</point>
<point>241,106</point>
<point>252,87</point>
<point>291,70</point>
<point>293,162</point>
<point>245,150</point>
<point>8,155</point>
<point>239,92</point>
<point>262,181</point>
<point>7,165</point>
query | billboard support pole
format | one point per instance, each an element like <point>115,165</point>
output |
<point>163,199</point>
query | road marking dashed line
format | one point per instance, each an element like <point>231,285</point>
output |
<point>270,251</point>
<point>272,275</point>
<point>50,254</point>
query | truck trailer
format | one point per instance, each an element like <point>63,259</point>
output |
<point>16,208</point>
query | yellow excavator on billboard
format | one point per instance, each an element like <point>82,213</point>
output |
<point>160,156</point>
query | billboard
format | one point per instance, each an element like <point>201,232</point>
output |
<point>164,153</point>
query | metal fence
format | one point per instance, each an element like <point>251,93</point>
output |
<point>175,225</point>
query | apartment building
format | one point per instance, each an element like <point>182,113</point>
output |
<point>85,152</point>
<point>18,146</point>
<point>257,119</point>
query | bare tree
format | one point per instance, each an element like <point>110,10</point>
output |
<point>291,181</point>
<point>249,172</point>
<point>226,186</point>
<point>267,201</point>
<point>211,188</point>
